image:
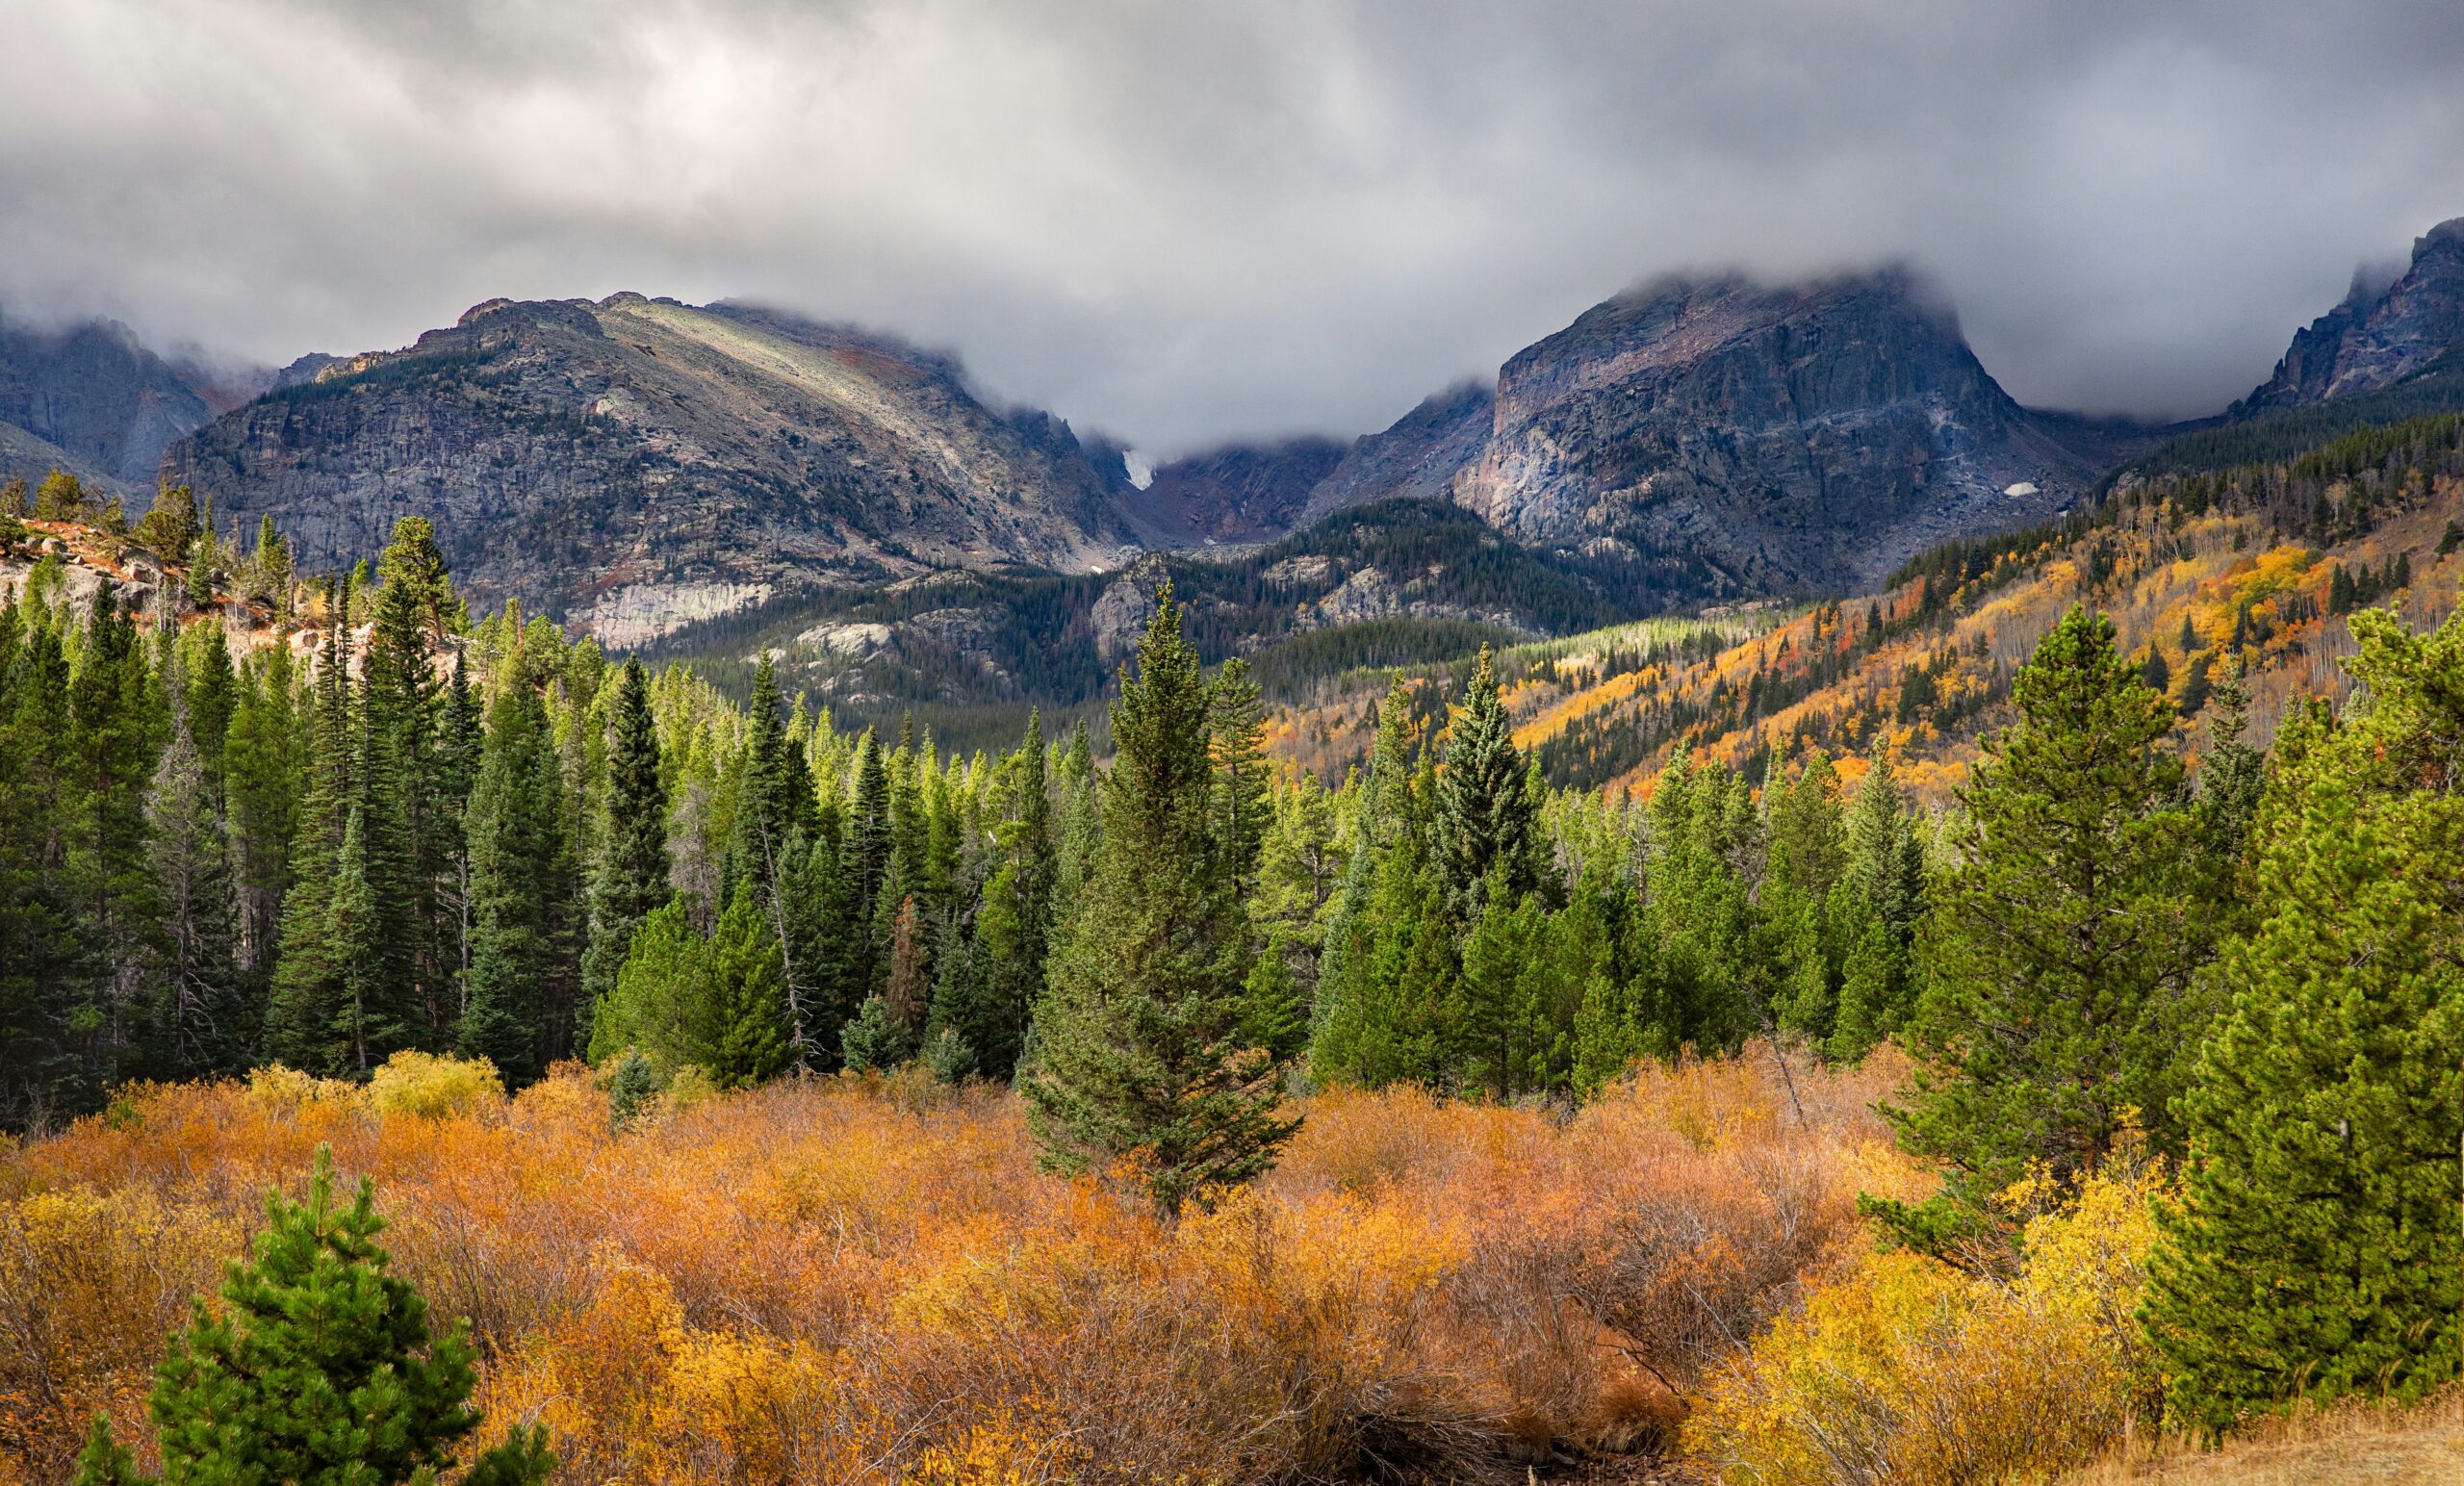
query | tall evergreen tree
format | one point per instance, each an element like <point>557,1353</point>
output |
<point>46,987</point>
<point>633,875</point>
<point>1875,910</point>
<point>749,989</point>
<point>2054,1023</point>
<point>115,712</point>
<point>1484,816</point>
<point>405,787</point>
<point>198,1022</point>
<point>1245,801</point>
<point>307,993</point>
<point>2317,1249</point>
<point>516,851</point>
<point>1139,1033</point>
<point>262,788</point>
<point>1015,925</point>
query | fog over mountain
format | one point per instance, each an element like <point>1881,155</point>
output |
<point>1185,225</point>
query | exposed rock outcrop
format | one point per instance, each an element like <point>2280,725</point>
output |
<point>634,465</point>
<point>2383,332</point>
<point>91,399</point>
<point>1805,436</point>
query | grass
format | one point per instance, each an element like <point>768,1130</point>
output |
<point>2354,1442</point>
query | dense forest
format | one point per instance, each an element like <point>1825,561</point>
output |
<point>2207,1018</point>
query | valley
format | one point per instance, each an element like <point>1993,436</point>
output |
<point>1731,905</point>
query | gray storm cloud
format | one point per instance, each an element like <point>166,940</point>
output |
<point>1186,223</point>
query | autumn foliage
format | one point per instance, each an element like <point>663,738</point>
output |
<point>850,1278</point>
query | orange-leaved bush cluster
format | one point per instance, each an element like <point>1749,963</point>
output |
<point>866,1278</point>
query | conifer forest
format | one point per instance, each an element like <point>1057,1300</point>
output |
<point>644,1080</point>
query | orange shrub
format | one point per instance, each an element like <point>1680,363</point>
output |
<point>840,1279</point>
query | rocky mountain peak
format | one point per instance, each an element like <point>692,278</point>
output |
<point>637,464</point>
<point>2382,332</point>
<point>1806,435</point>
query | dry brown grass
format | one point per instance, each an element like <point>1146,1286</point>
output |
<point>2381,1445</point>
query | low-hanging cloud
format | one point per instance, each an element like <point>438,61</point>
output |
<point>1185,223</point>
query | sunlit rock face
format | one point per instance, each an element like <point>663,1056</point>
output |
<point>637,464</point>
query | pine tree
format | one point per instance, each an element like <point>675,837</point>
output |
<point>114,723</point>
<point>906,992</point>
<point>2317,1248</point>
<point>1484,817</point>
<point>864,864</point>
<point>320,1368</point>
<point>1245,805</point>
<point>359,1028</point>
<point>633,876</point>
<point>1874,914</point>
<point>516,851</point>
<point>749,991</point>
<point>405,792</point>
<point>1139,1035</point>
<point>1014,924</point>
<point>46,985</point>
<point>261,785</point>
<point>1507,1035</point>
<point>961,999</point>
<point>209,697</point>
<point>307,995</point>
<point>1386,991</point>
<point>199,1022</point>
<point>2053,1027</point>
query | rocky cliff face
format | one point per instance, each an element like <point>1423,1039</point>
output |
<point>1801,437</point>
<point>1418,457</point>
<point>1240,493</point>
<point>93,400</point>
<point>2379,335</point>
<point>1807,436</point>
<point>635,464</point>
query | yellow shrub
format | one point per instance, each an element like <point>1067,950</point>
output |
<point>91,1283</point>
<point>433,1085</point>
<point>290,1090</point>
<point>1014,1448</point>
<point>1911,1372</point>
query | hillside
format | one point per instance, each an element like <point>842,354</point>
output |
<point>633,464</point>
<point>2256,564</point>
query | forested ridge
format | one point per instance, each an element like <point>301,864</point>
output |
<point>2256,565</point>
<point>2120,1095</point>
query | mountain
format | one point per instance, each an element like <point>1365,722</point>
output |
<point>1803,437</point>
<point>1416,458</point>
<point>92,398</point>
<point>1398,582</point>
<point>637,464</point>
<point>1799,437</point>
<point>2381,334</point>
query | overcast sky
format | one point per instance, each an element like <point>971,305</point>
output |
<point>1183,222</point>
